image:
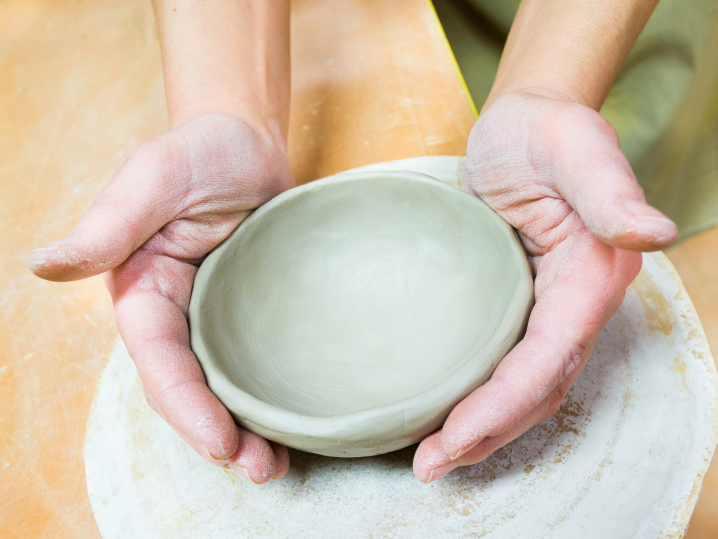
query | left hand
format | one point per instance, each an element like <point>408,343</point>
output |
<point>172,201</point>
<point>554,170</point>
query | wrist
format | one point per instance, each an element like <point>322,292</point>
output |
<point>569,49</point>
<point>258,112</point>
<point>536,90</point>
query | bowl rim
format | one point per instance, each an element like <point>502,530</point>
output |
<point>432,404</point>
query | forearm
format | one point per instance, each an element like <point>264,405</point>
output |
<point>570,49</point>
<point>228,56</point>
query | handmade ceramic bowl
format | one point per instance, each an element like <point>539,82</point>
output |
<point>348,316</point>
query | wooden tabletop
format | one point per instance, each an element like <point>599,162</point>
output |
<point>80,86</point>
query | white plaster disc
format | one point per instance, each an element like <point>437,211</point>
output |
<point>624,457</point>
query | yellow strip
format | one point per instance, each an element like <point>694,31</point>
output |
<point>453,61</point>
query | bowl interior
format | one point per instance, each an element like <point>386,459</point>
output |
<point>356,293</point>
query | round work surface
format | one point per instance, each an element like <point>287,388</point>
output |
<point>623,458</point>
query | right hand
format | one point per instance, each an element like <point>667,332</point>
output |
<point>171,202</point>
<point>553,169</point>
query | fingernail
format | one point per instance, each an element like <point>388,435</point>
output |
<point>657,220</point>
<point>210,453</point>
<point>458,454</point>
<point>442,471</point>
<point>244,473</point>
<point>40,261</point>
<point>644,212</point>
<point>219,461</point>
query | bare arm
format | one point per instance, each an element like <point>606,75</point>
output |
<point>569,49</point>
<point>225,56</point>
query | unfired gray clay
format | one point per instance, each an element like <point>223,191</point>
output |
<point>348,316</point>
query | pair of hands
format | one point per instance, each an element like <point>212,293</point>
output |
<point>553,169</point>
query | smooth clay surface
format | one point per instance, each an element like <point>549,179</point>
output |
<point>348,316</point>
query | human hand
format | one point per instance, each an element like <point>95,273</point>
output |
<point>554,170</point>
<point>170,202</point>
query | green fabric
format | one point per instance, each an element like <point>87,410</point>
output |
<point>663,104</point>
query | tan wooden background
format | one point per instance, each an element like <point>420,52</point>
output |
<point>80,86</point>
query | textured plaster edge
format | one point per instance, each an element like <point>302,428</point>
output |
<point>696,339</point>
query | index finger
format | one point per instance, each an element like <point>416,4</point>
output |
<point>579,285</point>
<point>149,292</point>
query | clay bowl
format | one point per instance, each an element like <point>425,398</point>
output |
<point>348,316</point>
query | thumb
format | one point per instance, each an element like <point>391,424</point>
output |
<point>134,205</point>
<point>594,177</point>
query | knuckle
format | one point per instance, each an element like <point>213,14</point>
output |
<point>565,357</point>
<point>152,403</point>
<point>572,360</point>
<point>176,392</point>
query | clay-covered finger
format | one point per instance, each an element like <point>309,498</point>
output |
<point>430,459</point>
<point>579,286</point>
<point>432,462</point>
<point>281,460</point>
<point>149,292</point>
<point>488,445</point>
<point>254,459</point>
